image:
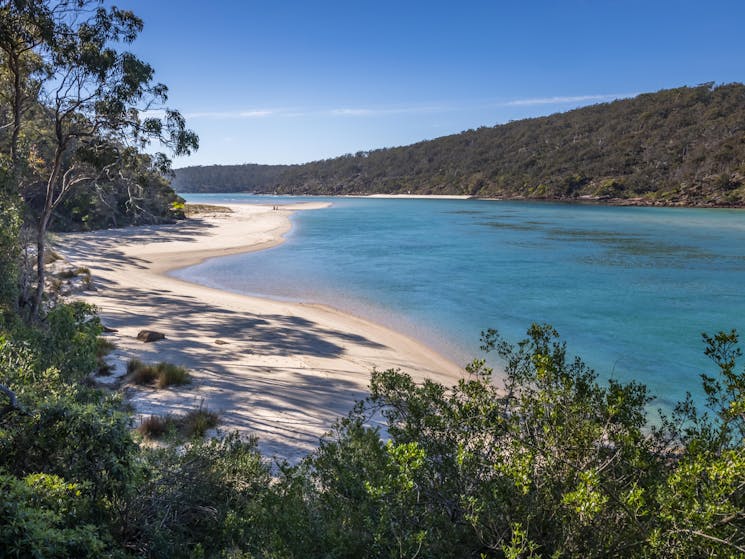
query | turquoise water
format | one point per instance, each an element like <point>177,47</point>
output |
<point>629,289</point>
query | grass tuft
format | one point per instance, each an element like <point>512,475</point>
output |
<point>103,348</point>
<point>194,424</point>
<point>142,374</point>
<point>133,365</point>
<point>155,426</point>
<point>161,374</point>
<point>51,256</point>
<point>170,375</point>
<point>75,272</point>
<point>197,422</point>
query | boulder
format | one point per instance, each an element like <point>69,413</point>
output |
<point>150,336</point>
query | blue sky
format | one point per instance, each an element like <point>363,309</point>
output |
<point>289,82</point>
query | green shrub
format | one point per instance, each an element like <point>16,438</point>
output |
<point>204,499</point>
<point>78,435</point>
<point>69,340</point>
<point>41,515</point>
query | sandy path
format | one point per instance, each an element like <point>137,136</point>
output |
<point>286,371</point>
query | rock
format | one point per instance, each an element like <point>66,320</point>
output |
<point>150,336</point>
<point>221,342</point>
<point>108,329</point>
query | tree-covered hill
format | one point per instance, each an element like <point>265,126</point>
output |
<point>683,146</point>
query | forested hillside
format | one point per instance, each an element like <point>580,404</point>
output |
<point>678,146</point>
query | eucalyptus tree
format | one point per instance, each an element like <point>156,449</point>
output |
<point>98,102</point>
<point>24,27</point>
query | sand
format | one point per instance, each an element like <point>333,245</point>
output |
<point>421,196</point>
<point>281,371</point>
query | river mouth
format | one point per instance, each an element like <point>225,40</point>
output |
<point>629,289</point>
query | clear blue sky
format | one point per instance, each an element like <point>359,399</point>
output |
<point>276,81</point>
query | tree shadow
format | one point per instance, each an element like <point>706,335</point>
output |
<point>275,395</point>
<point>105,244</point>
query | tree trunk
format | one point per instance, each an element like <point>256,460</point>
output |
<point>16,103</point>
<point>41,245</point>
<point>13,401</point>
<point>41,230</point>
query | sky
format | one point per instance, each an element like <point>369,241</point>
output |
<point>277,81</point>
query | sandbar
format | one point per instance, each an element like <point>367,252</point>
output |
<point>281,371</point>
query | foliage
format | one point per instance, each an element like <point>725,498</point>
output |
<point>72,438</point>
<point>547,462</point>
<point>77,109</point>
<point>10,250</point>
<point>43,516</point>
<point>199,502</point>
<point>141,195</point>
<point>676,146</point>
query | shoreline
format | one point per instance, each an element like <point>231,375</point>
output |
<point>579,201</point>
<point>283,371</point>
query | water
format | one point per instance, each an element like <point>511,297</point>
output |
<point>629,289</point>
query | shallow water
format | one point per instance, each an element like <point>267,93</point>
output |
<point>629,289</point>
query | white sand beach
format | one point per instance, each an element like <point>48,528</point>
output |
<point>282,371</point>
<point>421,196</point>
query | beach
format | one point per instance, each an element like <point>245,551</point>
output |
<point>278,370</point>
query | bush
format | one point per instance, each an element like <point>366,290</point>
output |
<point>69,341</point>
<point>547,461</point>
<point>41,515</point>
<point>550,463</point>
<point>84,442</point>
<point>205,499</point>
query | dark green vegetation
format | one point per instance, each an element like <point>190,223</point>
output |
<point>548,464</point>
<point>683,146</point>
<point>75,113</point>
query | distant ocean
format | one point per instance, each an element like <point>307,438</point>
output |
<point>629,289</point>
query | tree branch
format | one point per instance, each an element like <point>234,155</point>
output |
<point>14,404</point>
